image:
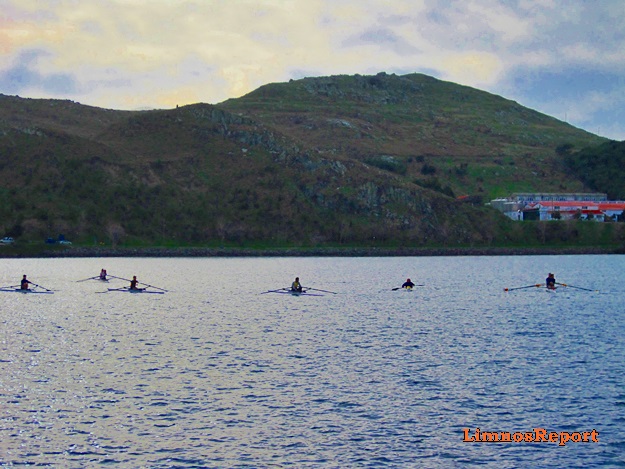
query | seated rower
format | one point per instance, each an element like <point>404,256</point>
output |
<point>134,283</point>
<point>24,283</point>
<point>103,274</point>
<point>408,284</point>
<point>296,286</point>
<point>550,282</point>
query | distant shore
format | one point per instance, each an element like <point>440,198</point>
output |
<point>78,252</point>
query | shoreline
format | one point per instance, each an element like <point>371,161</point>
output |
<point>78,252</point>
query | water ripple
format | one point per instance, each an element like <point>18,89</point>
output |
<point>219,377</point>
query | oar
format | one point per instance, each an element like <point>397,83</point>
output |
<point>120,278</point>
<point>273,291</point>
<point>527,286</point>
<point>316,289</point>
<point>46,289</point>
<point>85,279</point>
<point>152,286</point>
<point>399,288</point>
<point>140,283</point>
<point>573,286</point>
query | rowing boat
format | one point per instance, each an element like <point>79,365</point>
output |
<point>24,291</point>
<point>297,293</point>
<point>136,290</point>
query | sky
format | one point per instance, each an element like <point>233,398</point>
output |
<point>565,58</point>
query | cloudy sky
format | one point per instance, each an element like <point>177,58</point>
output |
<point>562,57</point>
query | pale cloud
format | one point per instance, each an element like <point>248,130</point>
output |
<point>593,102</point>
<point>159,53</point>
<point>503,23</point>
<point>471,67</point>
<point>581,111</point>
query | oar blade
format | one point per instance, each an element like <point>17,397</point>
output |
<point>85,279</point>
<point>573,286</point>
<point>119,278</point>
<point>152,286</point>
<point>273,291</point>
<point>317,289</point>
<point>526,286</point>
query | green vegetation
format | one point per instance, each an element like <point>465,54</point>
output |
<point>388,163</point>
<point>332,161</point>
<point>601,167</point>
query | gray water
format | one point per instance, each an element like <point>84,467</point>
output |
<point>215,374</point>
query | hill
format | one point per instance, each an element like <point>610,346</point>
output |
<point>601,167</point>
<point>364,160</point>
<point>432,132</point>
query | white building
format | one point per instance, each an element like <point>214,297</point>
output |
<point>559,206</point>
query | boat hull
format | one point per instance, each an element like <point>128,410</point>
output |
<point>297,293</point>
<point>24,292</point>
<point>128,290</point>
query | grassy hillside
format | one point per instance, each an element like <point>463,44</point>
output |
<point>337,160</point>
<point>436,133</point>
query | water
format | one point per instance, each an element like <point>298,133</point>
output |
<point>215,374</point>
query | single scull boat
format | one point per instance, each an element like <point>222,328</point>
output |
<point>136,290</point>
<point>20,290</point>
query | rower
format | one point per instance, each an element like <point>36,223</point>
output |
<point>408,284</point>
<point>296,286</point>
<point>103,274</point>
<point>550,282</point>
<point>133,283</point>
<point>24,283</point>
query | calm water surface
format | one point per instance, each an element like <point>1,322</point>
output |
<point>215,374</point>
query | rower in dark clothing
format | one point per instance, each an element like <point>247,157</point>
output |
<point>24,283</point>
<point>408,284</point>
<point>550,282</point>
<point>133,283</point>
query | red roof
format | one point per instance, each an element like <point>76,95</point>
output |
<point>578,204</point>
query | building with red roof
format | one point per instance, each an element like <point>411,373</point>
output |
<point>560,206</point>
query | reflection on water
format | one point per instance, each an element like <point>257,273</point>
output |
<point>216,374</point>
